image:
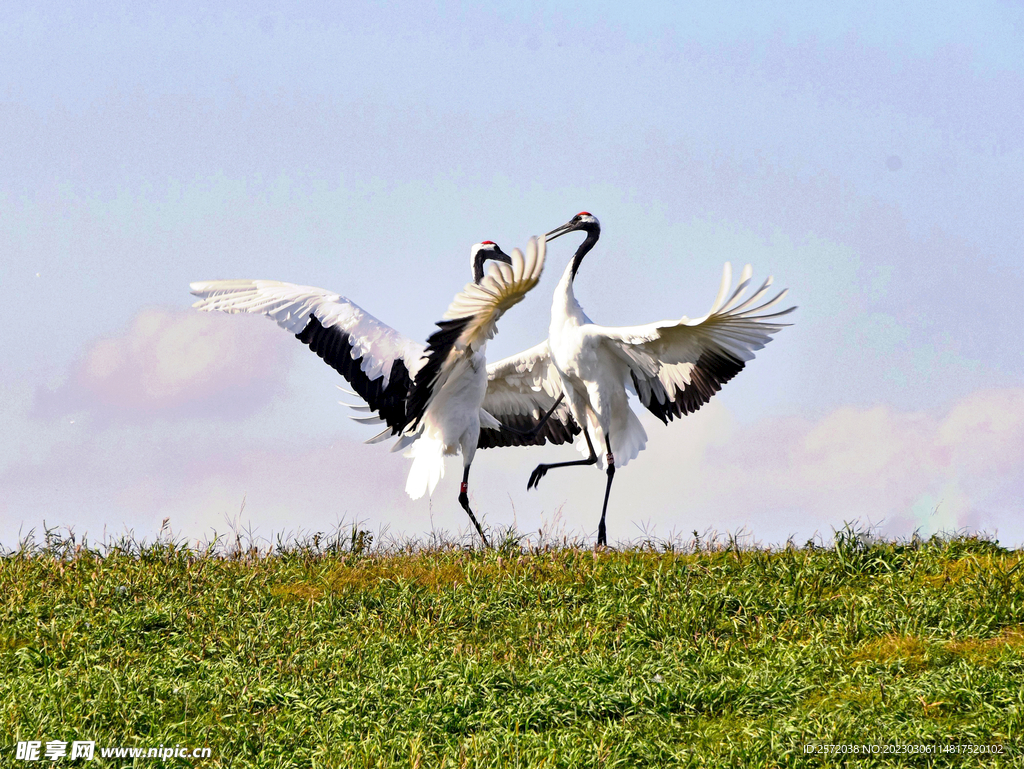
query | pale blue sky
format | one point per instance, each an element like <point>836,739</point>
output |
<point>870,157</point>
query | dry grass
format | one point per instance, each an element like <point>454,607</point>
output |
<point>1009,645</point>
<point>896,648</point>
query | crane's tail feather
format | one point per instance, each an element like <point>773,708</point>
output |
<point>628,439</point>
<point>427,466</point>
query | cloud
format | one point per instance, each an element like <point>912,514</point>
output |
<point>985,432</point>
<point>171,363</point>
<point>962,467</point>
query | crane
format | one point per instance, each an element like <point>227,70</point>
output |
<point>673,366</point>
<point>430,396</point>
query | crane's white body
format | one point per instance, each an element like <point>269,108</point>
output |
<point>451,423</point>
<point>673,366</point>
<point>453,414</point>
<point>446,380</point>
<point>593,376</point>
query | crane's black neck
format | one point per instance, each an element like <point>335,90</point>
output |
<point>478,265</point>
<point>585,246</point>
<point>481,257</point>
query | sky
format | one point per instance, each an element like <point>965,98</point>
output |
<point>869,156</point>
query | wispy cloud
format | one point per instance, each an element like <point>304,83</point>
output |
<point>176,363</point>
<point>962,467</point>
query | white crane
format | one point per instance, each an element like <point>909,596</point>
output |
<point>674,366</point>
<point>429,396</point>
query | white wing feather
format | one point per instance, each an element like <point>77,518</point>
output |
<point>678,365</point>
<point>471,320</point>
<point>502,286</point>
<point>290,306</point>
<point>357,345</point>
<point>520,390</point>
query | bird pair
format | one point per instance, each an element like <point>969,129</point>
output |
<point>443,398</point>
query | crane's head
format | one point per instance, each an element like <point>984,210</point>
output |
<point>584,220</point>
<point>480,253</point>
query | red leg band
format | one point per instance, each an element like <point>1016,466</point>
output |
<point>465,487</point>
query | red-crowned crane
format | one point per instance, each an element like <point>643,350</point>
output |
<point>431,397</point>
<point>674,366</point>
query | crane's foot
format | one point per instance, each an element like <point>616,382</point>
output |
<point>538,472</point>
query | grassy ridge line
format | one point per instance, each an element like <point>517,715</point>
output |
<point>508,658</point>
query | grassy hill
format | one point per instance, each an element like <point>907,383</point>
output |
<point>556,657</point>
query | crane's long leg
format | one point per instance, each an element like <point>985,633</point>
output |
<point>464,501</point>
<point>540,470</point>
<point>536,428</point>
<point>602,536</point>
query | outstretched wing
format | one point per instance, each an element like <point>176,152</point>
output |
<point>378,362</point>
<point>677,366</point>
<point>521,389</point>
<point>502,287</point>
<point>471,319</point>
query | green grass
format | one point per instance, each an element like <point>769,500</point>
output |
<point>555,657</point>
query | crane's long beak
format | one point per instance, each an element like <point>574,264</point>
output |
<point>559,231</point>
